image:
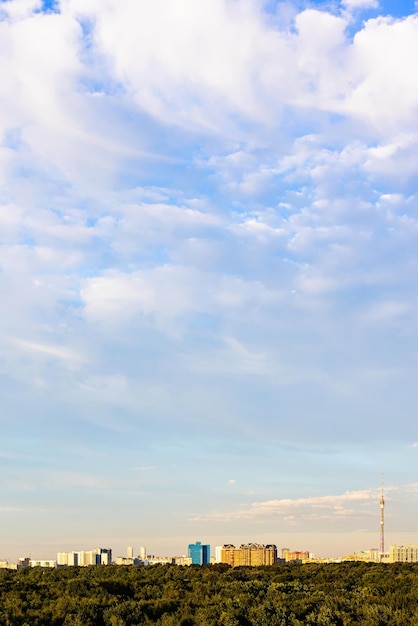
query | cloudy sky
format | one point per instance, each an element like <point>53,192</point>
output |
<point>208,273</point>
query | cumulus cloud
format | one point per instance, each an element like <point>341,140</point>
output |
<point>168,292</point>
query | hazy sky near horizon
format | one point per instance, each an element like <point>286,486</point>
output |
<point>208,273</point>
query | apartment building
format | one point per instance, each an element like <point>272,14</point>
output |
<point>403,554</point>
<point>249,554</point>
<point>83,558</point>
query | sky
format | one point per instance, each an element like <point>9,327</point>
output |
<point>208,274</point>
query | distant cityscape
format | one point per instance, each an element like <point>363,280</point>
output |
<point>198,553</point>
<point>250,554</point>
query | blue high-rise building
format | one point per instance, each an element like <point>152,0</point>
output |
<point>199,553</point>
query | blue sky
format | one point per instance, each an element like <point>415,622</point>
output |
<point>208,274</point>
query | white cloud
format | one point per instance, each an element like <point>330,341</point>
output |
<point>349,504</point>
<point>253,227</point>
<point>361,4</point>
<point>58,352</point>
<point>165,57</point>
<point>157,54</point>
<point>385,87</point>
<point>18,9</point>
<point>169,292</point>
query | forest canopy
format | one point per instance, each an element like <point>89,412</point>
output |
<point>343,594</point>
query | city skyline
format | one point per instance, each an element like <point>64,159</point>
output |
<point>327,549</point>
<point>208,274</point>
<point>249,553</point>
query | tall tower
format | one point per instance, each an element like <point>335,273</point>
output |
<point>382,521</point>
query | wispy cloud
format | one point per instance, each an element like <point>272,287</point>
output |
<point>354,504</point>
<point>58,352</point>
<point>412,488</point>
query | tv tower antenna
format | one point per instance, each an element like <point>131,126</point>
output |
<point>382,520</point>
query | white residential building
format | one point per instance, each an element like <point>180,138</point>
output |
<point>83,558</point>
<point>403,554</point>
